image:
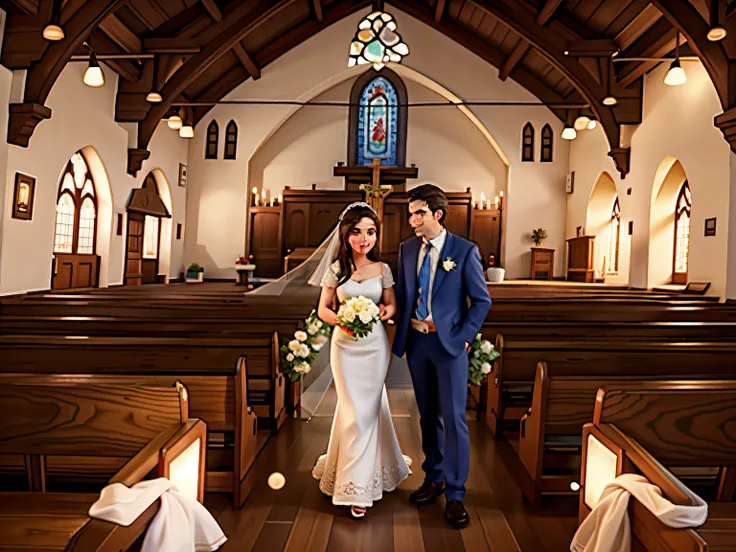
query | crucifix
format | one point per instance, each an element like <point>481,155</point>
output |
<point>376,181</point>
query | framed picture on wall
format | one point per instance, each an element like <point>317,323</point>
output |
<point>25,190</point>
<point>182,175</point>
<point>710,226</point>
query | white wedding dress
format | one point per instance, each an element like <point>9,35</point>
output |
<point>363,457</point>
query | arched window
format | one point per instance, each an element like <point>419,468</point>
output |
<point>213,133</point>
<point>614,235</point>
<point>231,140</point>
<point>76,210</point>
<point>682,235</point>
<point>546,156</point>
<point>527,146</point>
<point>377,119</point>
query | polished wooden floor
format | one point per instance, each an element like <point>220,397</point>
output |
<point>300,518</point>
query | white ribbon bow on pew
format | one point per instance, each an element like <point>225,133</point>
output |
<point>181,524</point>
<point>607,528</point>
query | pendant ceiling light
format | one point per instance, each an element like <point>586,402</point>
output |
<point>186,131</point>
<point>154,97</point>
<point>592,123</point>
<point>53,30</point>
<point>568,133</point>
<point>675,74</point>
<point>175,122</point>
<point>581,123</point>
<point>93,75</point>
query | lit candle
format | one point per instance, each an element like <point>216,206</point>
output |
<point>496,200</point>
<point>472,199</point>
<point>488,204</point>
<point>279,200</point>
<point>482,200</point>
<point>255,196</point>
<point>263,197</point>
<point>500,193</point>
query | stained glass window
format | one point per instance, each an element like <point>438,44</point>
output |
<point>546,156</point>
<point>376,41</point>
<point>377,122</point>
<point>231,140</point>
<point>614,233</point>
<point>213,133</point>
<point>76,209</point>
<point>682,234</point>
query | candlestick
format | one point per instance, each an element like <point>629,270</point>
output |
<point>263,197</point>
<point>496,200</point>
<point>482,200</point>
<point>488,204</point>
<point>255,196</point>
<point>280,199</point>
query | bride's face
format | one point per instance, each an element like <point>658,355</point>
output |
<point>362,238</point>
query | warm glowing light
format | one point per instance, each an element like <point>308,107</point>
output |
<point>500,193</point>
<point>609,101</point>
<point>600,470</point>
<point>675,75</point>
<point>53,32</point>
<point>276,481</point>
<point>592,124</point>
<point>496,200</point>
<point>280,199</point>
<point>154,97</point>
<point>574,486</point>
<point>568,133</point>
<point>716,33</point>
<point>184,470</point>
<point>187,131</point>
<point>581,123</point>
<point>175,122</point>
<point>93,75</point>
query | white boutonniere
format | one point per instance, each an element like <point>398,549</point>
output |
<point>448,264</point>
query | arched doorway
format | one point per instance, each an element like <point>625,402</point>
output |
<point>145,213</point>
<point>76,263</point>
<point>602,220</point>
<point>669,225</point>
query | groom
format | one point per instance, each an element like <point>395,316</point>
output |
<point>442,300</point>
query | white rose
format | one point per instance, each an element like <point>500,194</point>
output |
<point>293,345</point>
<point>358,307</point>
<point>318,342</point>
<point>448,265</point>
<point>348,315</point>
<point>300,335</point>
<point>303,351</point>
<point>365,317</point>
<point>305,368</point>
<point>478,336</point>
<point>485,368</point>
<point>312,329</point>
<point>476,354</point>
<point>486,347</point>
<point>289,357</point>
<point>374,310</point>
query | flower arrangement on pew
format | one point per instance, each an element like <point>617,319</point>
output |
<point>298,355</point>
<point>357,315</point>
<point>482,354</point>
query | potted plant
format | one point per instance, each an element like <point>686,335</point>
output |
<point>195,273</point>
<point>495,272</point>
<point>538,235</point>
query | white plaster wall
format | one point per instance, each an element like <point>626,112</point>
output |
<point>82,117</point>
<point>678,122</point>
<point>219,189</point>
<point>446,146</point>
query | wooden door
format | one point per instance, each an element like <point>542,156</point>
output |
<point>134,255</point>
<point>71,270</point>
<point>264,241</point>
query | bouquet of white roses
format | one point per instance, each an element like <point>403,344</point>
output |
<point>357,315</point>
<point>482,354</point>
<point>298,354</point>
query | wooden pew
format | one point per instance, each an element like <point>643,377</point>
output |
<point>159,355</point>
<point>510,383</point>
<point>652,431</point>
<point>88,420</point>
<point>549,437</point>
<point>219,400</point>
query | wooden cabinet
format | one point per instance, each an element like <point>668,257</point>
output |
<point>543,263</point>
<point>580,258</point>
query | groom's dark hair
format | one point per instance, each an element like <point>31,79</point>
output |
<point>434,197</point>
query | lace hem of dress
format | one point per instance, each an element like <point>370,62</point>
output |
<point>384,480</point>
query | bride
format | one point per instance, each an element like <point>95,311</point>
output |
<point>363,458</point>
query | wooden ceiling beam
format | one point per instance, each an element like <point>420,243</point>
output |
<point>522,47</point>
<point>658,41</point>
<point>439,10</point>
<point>231,30</point>
<point>42,75</point>
<point>239,50</point>
<point>552,46</point>
<point>118,32</point>
<point>317,7</point>
<point>102,44</point>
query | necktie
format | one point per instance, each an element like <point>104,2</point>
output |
<point>423,282</point>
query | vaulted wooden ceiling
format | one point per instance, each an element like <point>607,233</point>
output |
<point>196,51</point>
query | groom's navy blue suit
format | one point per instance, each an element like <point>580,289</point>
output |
<point>438,362</point>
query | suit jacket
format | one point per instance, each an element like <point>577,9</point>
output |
<point>460,298</point>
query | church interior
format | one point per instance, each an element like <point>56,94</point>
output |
<point>170,171</point>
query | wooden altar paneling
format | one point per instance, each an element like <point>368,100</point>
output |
<point>296,224</point>
<point>264,240</point>
<point>486,231</point>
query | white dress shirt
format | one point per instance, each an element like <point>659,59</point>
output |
<point>434,256</point>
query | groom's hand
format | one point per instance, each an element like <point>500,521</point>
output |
<point>384,313</point>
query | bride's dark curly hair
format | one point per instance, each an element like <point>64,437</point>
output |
<point>345,257</point>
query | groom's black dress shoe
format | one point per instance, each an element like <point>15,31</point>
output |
<point>456,514</point>
<point>427,493</point>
